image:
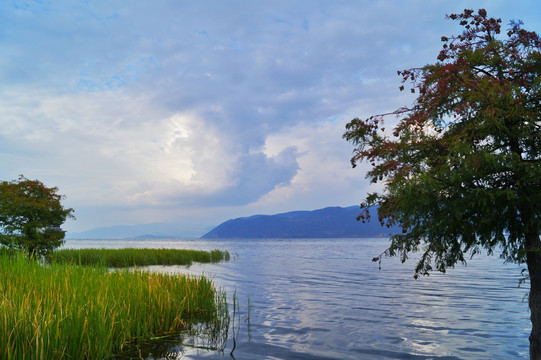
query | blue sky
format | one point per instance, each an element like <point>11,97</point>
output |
<point>194,112</point>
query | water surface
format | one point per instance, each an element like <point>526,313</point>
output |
<point>326,299</point>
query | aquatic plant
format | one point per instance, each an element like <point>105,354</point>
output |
<point>79,312</point>
<point>128,257</point>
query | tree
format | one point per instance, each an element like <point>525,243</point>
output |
<point>31,215</point>
<point>461,170</point>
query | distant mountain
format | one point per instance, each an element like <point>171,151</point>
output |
<point>331,222</point>
<point>142,231</point>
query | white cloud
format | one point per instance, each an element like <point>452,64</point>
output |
<point>324,168</point>
<point>110,149</point>
<point>141,112</point>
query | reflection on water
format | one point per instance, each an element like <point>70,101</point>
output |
<point>168,348</point>
<point>325,299</point>
<point>178,346</point>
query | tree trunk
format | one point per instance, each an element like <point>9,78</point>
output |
<point>534,269</point>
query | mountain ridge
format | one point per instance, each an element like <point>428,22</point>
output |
<point>141,231</point>
<point>329,222</point>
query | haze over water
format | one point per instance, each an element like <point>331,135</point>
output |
<point>326,299</point>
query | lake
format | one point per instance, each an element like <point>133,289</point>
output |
<point>326,299</point>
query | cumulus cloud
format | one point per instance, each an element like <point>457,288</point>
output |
<point>254,175</point>
<point>204,109</point>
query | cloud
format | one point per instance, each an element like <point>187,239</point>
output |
<point>205,109</point>
<point>253,176</point>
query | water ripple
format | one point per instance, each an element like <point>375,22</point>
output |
<point>325,299</point>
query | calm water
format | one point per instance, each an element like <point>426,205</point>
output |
<point>325,299</point>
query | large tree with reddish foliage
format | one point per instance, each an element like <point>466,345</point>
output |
<point>31,215</point>
<point>461,170</point>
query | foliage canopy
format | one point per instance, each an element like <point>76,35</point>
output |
<point>462,170</point>
<point>31,215</point>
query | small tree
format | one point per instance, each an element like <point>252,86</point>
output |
<point>462,169</point>
<point>31,215</point>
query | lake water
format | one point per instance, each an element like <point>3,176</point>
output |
<point>326,299</point>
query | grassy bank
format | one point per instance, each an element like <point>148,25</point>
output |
<point>136,257</point>
<point>76,312</point>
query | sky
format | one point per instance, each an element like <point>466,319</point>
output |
<point>196,112</point>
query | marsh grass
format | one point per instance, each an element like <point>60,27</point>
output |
<point>79,312</point>
<point>129,257</point>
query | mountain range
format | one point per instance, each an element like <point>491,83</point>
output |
<point>141,231</point>
<point>330,222</point>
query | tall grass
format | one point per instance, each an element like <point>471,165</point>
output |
<point>135,257</point>
<point>75,312</point>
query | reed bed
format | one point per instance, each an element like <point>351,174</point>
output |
<point>136,257</point>
<point>66,311</point>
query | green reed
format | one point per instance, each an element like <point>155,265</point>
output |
<point>66,311</point>
<point>136,257</point>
